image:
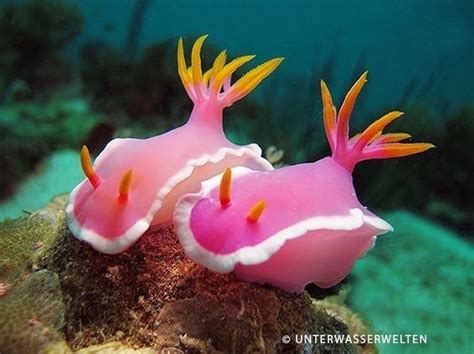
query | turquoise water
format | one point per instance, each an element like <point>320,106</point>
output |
<point>84,72</point>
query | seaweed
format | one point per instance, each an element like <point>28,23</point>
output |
<point>146,91</point>
<point>139,88</point>
<point>29,131</point>
<point>136,22</point>
<point>436,184</point>
<point>32,36</point>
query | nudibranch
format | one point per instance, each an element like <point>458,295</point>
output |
<point>135,183</point>
<point>296,225</point>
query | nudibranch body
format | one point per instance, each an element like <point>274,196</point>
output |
<point>295,225</point>
<point>135,183</point>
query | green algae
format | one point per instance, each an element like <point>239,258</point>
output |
<point>30,131</point>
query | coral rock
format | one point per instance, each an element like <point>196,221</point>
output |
<point>65,296</point>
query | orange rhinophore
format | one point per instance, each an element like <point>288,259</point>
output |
<point>87,167</point>
<point>256,211</point>
<point>124,186</point>
<point>224,195</point>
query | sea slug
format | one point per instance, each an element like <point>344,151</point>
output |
<point>295,225</point>
<point>135,183</point>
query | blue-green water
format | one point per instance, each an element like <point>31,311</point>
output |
<point>83,72</point>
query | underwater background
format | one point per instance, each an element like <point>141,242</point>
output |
<point>85,72</point>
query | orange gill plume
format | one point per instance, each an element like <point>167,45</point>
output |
<point>216,82</point>
<point>374,130</point>
<point>371,143</point>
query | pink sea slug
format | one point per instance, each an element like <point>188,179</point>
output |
<point>135,183</point>
<point>295,225</point>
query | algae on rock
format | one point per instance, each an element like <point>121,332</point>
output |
<point>30,131</point>
<point>31,306</point>
<point>150,296</point>
<point>32,314</point>
<point>24,240</point>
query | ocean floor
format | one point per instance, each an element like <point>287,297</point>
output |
<point>416,280</point>
<point>58,174</point>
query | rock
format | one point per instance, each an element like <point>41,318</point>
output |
<point>150,297</point>
<point>24,240</point>
<point>114,348</point>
